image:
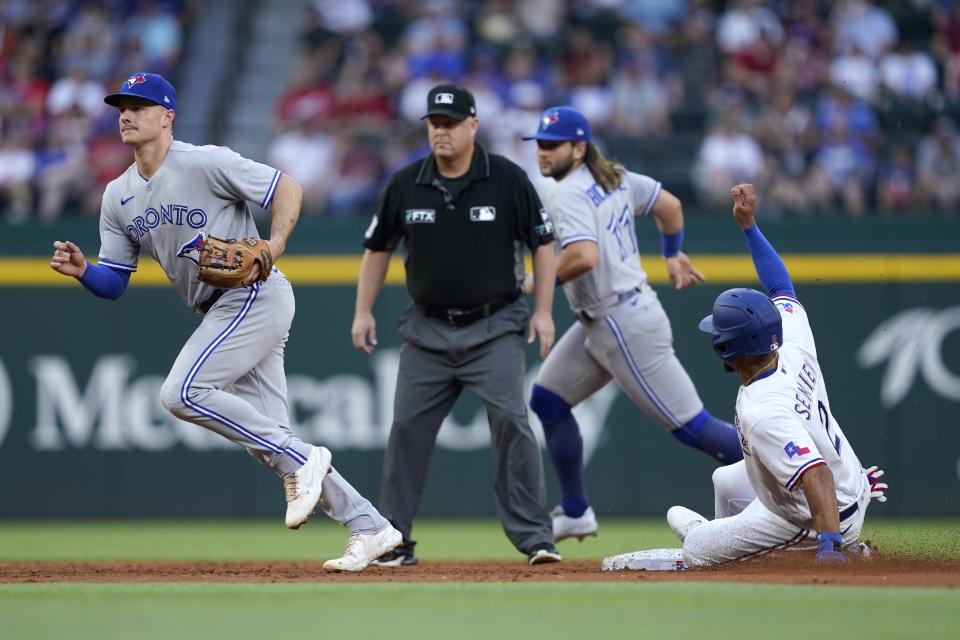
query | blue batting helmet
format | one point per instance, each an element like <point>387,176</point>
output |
<point>744,322</point>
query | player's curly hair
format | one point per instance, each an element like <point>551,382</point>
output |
<point>608,173</point>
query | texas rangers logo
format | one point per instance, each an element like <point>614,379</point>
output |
<point>786,306</point>
<point>550,118</point>
<point>791,449</point>
<point>137,79</point>
<point>191,250</point>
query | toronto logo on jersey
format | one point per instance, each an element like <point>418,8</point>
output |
<point>178,214</point>
<point>191,250</point>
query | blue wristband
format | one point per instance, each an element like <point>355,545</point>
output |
<point>670,243</point>
<point>830,547</point>
<point>103,281</point>
<point>557,282</point>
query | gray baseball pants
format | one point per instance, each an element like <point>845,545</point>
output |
<point>229,378</point>
<point>436,363</point>
<point>631,343</point>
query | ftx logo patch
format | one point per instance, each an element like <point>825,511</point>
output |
<point>547,226</point>
<point>483,214</point>
<point>420,216</point>
<point>792,449</point>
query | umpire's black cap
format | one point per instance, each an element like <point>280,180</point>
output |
<point>450,100</point>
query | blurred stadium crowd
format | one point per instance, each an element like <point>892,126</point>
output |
<point>59,144</point>
<point>846,106</point>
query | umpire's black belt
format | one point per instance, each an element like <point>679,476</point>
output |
<point>461,316</point>
<point>207,304</point>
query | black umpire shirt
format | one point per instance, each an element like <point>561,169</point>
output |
<point>463,235</point>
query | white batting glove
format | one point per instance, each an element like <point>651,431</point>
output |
<point>877,488</point>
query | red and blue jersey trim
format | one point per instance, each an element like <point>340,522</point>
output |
<point>798,476</point>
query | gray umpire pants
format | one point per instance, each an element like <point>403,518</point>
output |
<point>437,362</point>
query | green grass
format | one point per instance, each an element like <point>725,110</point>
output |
<point>463,611</point>
<point>225,540</point>
<point>459,611</point>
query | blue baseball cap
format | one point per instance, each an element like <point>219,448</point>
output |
<point>149,86</point>
<point>560,124</point>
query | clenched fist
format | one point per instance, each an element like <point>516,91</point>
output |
<point>744,205</point>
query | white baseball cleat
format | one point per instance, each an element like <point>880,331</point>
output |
<point>682,520</point>
<point>649,560</point>
<point>303,486</point>
<point>362,549</point>
<point>566,527</point>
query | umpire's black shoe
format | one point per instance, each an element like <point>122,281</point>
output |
<point>543,554</point>
<point>402,556</point>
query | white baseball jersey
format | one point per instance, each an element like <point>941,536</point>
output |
<point>581,210</point>
<point>196,191</point>
<point>786,427</point>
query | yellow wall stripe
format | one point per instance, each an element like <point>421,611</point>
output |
<point>329,270</point>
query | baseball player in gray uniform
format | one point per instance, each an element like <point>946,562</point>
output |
<point>622,332</point>
<point>229,376</point>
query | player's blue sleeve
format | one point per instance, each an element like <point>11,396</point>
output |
<point>104,282</point>
<point>772,272</point>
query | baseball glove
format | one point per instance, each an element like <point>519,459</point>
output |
<point>227,263</point>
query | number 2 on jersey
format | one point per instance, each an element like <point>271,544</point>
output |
<point>825,421</point>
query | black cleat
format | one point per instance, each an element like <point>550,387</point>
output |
<point>402,556</point>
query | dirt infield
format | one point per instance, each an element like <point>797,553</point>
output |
<point>881,571</point>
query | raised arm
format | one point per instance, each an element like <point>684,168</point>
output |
<point>770,268</point>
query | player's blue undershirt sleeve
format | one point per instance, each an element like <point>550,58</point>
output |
<point>772,272</point>
<point>104,282</point>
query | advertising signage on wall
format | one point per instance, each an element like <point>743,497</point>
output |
<point>83,396</point>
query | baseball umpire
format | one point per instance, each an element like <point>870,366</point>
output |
<point>463,215</point>
<point>173,203</point>
<point>622,332</point>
